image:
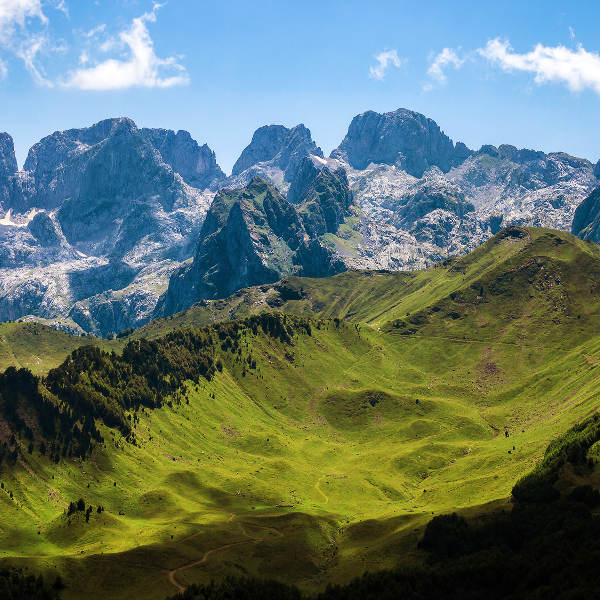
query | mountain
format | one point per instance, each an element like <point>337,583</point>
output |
<point>103,220</point>
<point>274,153</point>
<point>586,222</point>
<point>459,197</point>
<point>98,220</point>
<point>253,235</point>
<point>196,164</point>
<point>316,442</point>
<point>402,138</point>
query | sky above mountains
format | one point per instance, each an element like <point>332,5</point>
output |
<point>526,73</point>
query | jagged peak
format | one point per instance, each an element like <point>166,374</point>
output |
<point>401,137</point>
<point>8,160</point>
<point>284,146</point>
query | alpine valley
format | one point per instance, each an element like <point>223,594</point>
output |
<point>370,375</point>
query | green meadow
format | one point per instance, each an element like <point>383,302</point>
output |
<point>414,394</point>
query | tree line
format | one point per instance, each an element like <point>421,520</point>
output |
<point>93,385</point>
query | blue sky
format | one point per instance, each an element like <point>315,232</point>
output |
<point>526,73</point>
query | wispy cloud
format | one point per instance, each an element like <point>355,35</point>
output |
<point>385,60</point>
<point>14,15</point>
<point>15,36</point>
<point>141,67</point>
<point>447,57</point>
<point>578,69</point>
<point>571,33</point>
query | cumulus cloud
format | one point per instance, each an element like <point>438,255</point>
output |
<point>140,68</point>
<point>385,60</point>
<point>447,57</point>
<point>577,68</point>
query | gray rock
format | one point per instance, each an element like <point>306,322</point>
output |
<point>276,146</point>
<point>403,138</point>
<point>196,164</point>
<point>251,236</point>
<point>8,160</point>
<point>326,203</point>
<point>586,221</point>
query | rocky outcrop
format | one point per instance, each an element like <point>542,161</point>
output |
<point>586,221</point>
<point>251,236</point>
<point>196,164</point>
<point>275,153</point>
<point>8,161</point>
<point>91,201</point>
<point>8,168</point>
<point>597,170</point>
<point>326,203</point>
<point>402,138</point>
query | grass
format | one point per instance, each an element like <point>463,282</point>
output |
<point>330,457</point>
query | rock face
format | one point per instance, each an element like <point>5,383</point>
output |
<point>8,161</point>
<point>326,203</point>
<point>196,164</point>
<point>251,236</point>
<point>8,168</point>
<point>274,153</point>
<point>586,222</point>
<point>402,138</point>
<point>90,205</point>
<point>105,225</point>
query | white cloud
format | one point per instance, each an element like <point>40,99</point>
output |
<point>95,31</point>
<point>141,68</point>
<point>27,52</point>
<point>578,69</point>
<point>384,61</point>
<point>17,20</point>
<point>446,57</point>
<point>14,15</point>
<point>571,33</point>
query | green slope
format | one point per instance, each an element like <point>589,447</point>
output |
<point>329,456</point>
<point>374,297</point>
<point>35,346</point>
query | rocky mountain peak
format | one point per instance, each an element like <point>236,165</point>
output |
<point>196,164</point>
<point>8,161</point>
<point>597,170</point>
<point>403,138</point>
<point>326,202</point>
<point>281,147</point>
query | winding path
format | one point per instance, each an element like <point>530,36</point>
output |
<point>252,540</point>
<point>173,572</point>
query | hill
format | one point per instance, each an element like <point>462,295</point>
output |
<point>316,445</point>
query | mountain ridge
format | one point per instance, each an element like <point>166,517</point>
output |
<point>419,199</point>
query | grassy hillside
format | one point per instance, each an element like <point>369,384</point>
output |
<point>314,456</point>
<point>375,298</point>
<point>35,346</point>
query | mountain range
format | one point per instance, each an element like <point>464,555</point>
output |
<point>106,227</point>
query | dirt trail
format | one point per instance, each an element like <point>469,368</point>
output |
<point>173,572</point>
<point>317,487</point>
<point>252,540</point>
